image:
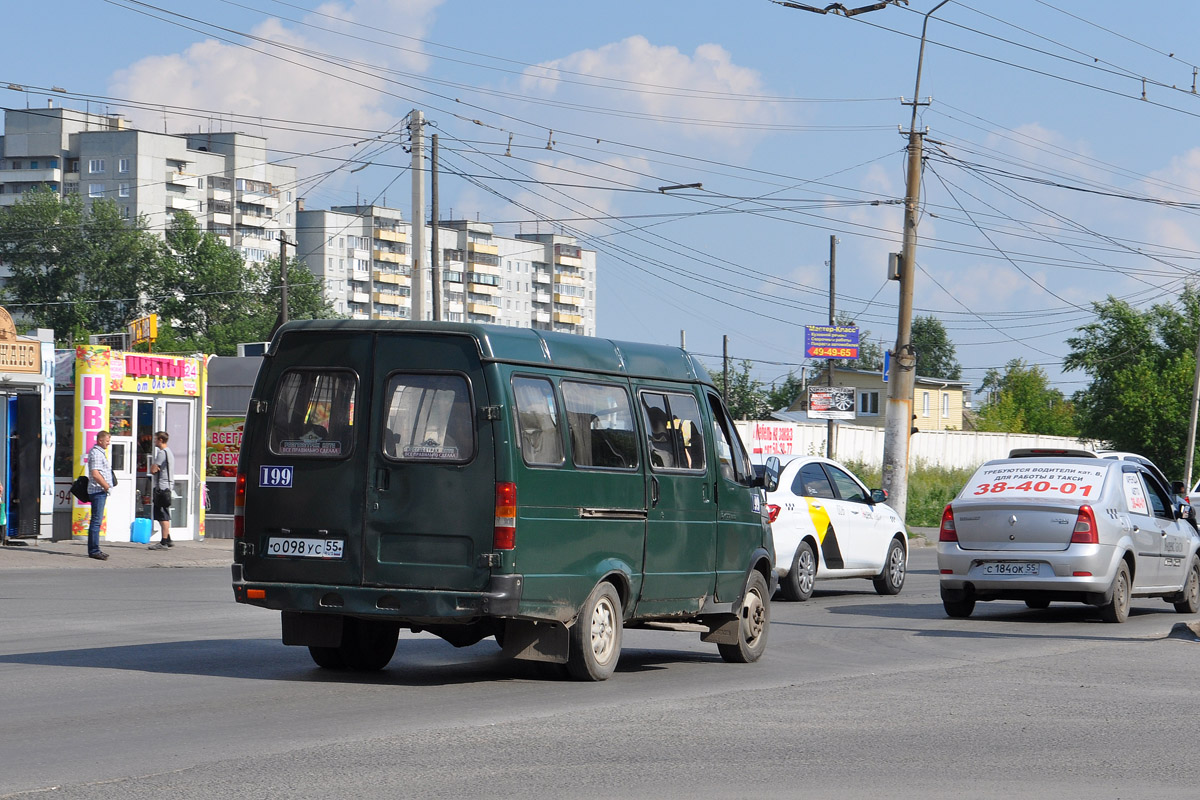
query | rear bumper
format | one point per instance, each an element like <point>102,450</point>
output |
<point>963,573</point>
<point>409,606</point>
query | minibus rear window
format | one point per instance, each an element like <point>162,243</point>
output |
<point>314,413</point>
<point>428,418</point>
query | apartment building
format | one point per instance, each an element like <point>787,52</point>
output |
<point>224,180</point>
<point>363,256</point>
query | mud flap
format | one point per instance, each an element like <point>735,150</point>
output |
<point>724,632</point>
<point>301,629</point>
<point>536,640</point>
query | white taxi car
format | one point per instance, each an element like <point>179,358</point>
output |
<point>827,524</point>
<point>1083,530</point>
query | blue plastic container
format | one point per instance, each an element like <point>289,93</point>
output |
<point>141,530</point>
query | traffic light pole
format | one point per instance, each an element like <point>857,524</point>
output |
<point>898,423</point>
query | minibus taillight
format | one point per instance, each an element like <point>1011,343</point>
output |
<point>504,535</point>
<point>947,533</point>
<point>1085,527</point>
<point>772,512</point>
<point>239,506</point>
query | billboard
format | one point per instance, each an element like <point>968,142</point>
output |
<point>831,402</point>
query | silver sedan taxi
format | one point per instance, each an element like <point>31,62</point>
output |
<point>1081,530</point>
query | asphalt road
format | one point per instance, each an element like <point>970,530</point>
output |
<point>128,682</point>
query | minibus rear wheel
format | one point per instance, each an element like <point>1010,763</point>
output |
<point>595,638</point>
<point>754,619</point>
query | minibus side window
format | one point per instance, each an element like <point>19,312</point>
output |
<point>735,463</point>
<point>600,421</point>
<point>537,421</point>
<point>428,418</point>
<point>313,413</point>
<point>674,434</point>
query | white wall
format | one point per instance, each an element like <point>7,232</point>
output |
<point>953,449</point>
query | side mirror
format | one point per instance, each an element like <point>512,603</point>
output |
<point>1183,511</point>
<point>769,478</point>
<point>879,495</point>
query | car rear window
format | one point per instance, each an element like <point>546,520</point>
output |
<point>428,418</point>
<point>1037,480</point>
<point>314,413</point>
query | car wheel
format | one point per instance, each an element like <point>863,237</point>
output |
<point>958,608</point>
<point>368,645</point>
<point>595,640</point>
<point>1038,604</point>
<point>891,580</point>
<point>754,620</point>
<point>1190,603</point>
<point>798,585</point>
<point>1117,609</point>
<point>327,657</point>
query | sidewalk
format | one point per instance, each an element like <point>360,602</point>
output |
<point>72,554</point>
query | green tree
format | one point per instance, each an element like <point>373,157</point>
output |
<point>74,269</point>
<point>1023,402</point>
<point>935,352</point>
<point>782,395</point>
<point>1141,367</point>
<point>746,398</point>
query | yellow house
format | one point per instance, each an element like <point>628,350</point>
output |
<point>937,403</point>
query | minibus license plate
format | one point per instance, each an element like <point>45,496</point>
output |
<point>305,548</point>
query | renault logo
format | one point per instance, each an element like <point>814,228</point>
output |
<point>1012,520</point>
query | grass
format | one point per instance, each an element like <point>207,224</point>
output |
<point>929,489</point>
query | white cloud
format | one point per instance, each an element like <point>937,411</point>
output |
<point>268,81</point>
<point>664,83</point>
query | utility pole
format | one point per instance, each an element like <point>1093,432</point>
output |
<point>416,126</point>
<point>725,367</point>
<point>830,425</point>
<point>1191,440</point>
<point>436,260</point>
<point>898,423</point>
<point>283,276</point>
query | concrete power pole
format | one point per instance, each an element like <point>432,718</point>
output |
<point>416,126</point>
<point>830,425</point>
<point>435,254</point>
<point>898,424</point>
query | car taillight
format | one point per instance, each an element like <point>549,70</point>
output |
<point>772,512</point>
<point>947,533</point>
<point>504,535</point>
<point>1085,531</point>
<point>239,506</point>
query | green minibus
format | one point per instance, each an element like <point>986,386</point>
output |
<point>471,481</point>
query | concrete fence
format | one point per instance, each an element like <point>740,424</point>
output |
<point>864,444</point>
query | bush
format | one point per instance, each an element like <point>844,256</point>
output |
<point>929,489</point>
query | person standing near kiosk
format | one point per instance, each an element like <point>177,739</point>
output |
<point>162,469</point>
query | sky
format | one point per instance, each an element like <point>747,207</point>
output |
<point>1062,162</point>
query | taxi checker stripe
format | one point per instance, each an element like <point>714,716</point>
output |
<point>825,534</point>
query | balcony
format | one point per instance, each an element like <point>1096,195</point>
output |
<point>484,288</point>
<point>385,235</point>
<point>177,178</point>
<point>222,219</point>
<point>391,258</point>
<point>569,279</point>
<point>455,306</point>
<point>568,300</point>
<point>394,278</point>
<point>568,319</point>
<point>479,247</point>
<point>386,298</point>
<point>224,195</point>
<point>541,316</point>
<point>47,175</point>
<point>568,261</point>
<point>182,202</point>
<point>542,277</point>
<point>485,309</point>
<point>541,297</point>
<point>360,297</point>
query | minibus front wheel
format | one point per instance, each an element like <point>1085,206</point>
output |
<point>754,618</point>
<point>595,638</point>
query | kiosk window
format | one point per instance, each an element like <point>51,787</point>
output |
<point>600,420</point>
<point>428,418</point>
<point>537,421</point>
<point>314,414</point>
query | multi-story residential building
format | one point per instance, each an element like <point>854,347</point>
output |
<point>224,180</point>
<point>363,257</point>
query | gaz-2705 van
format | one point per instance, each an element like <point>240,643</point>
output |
<point>470,481</point>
